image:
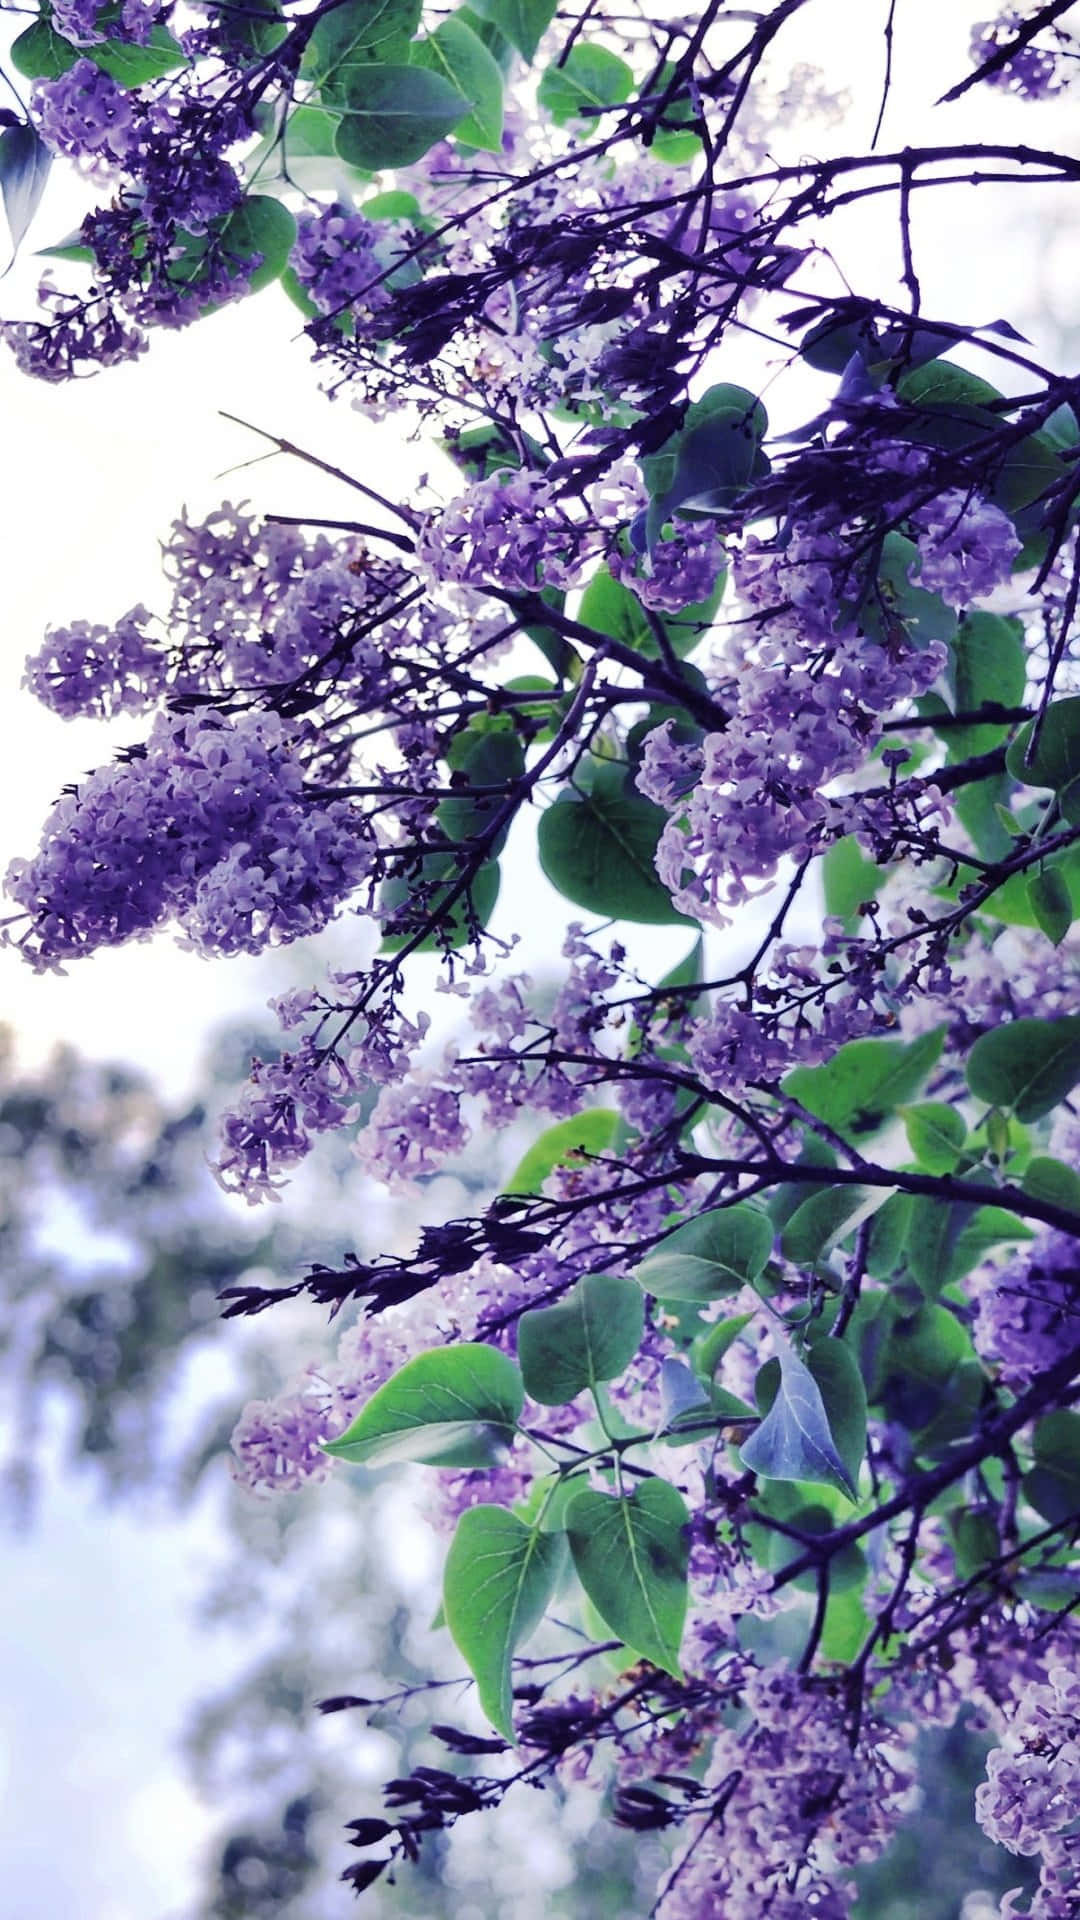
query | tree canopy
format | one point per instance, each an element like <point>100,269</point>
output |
<point>749,616</point>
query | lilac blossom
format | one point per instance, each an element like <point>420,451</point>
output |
<point>207,824</point>
<point>86,115</point>
<point>1029,1310</point>
<point>966,548</point>
<point>92,669</point>
<point>341,258</point>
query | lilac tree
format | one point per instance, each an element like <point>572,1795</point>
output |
<point>755,1379</point>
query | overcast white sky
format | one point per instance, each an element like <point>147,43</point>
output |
<point>97,1821</point>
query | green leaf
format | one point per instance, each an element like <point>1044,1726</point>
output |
<point>675,144</point>
<point>825,1219</point>
<point>1056,759</point>
<point>888,1233</point>
<point>895,598</point>
<point>975,1538</point>
<point>1053,1485</point>
<point>987,663</point>
<point>847,1568</point>
<point>132,66</point>
<point>40,53</point>
<point>936,1135</point>
<point>590,1132</point>
<point>862,1085</point>
<point>1027,1066</point>
<point>951,402</point>
<point>481,757</point>
<point>259,230</point>
<point>836,1373</point>
<point>608,606</point>
<point>705,1258</point>
<point>591,1336</point>
<point>396,115</point>
<point>598,848</point>
<point>589,77</point>
<point>933,1230</point>
<point>522,22</point>
<point>260,225</point>
<point>310,133</point>
<point>451,1407</point>
<point>919,1361</point>
<point>987,1228</point>
<point>849,879</point>
<point>847,1625</point>
<point>1052,1180</point>
<point>500,1575</point>
<point>716,455</point>
<point>709,1348</point>
<point>25,161</point>
<point>794,1440</point>
<point>631,1555</point>
<point>405,904</point>
<point>459,54</point>
<point>347,40</point>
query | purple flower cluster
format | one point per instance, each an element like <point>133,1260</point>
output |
<point>208,825</point>
<point>1034,71</point>
<point>86,115</point>
<point>1032,1789</point>
<point>89,669</point>
<point>1029,1310</point>
<point>966,548</point>
<point>285,1102</point>
<point>680,572</point>
<point>799,1804</point>
<point>80,21</point>
<point>811,695</point>
<point>509,531</point>
<point>277,1443</point>
<point>415,1127</point>
<point>340,259</point>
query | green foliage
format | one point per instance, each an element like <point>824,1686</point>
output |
<point>708,1257</point>
<point>451,1407</point>
<point>590,1336</point>
<point>821,1222</point>
<point>590,78</point>
<point>703,468</point>
<point>482,756</point>
<point>796,1439</point>
<point>610,607</point>
<point>395,114</point>
<point>864,1083</point>
<point>460,56</point>
<point>405,907</point>
<point>522,22</point>
<point>1051,1180</point>
<point>849,878</point>
<point>987,665</point>
<point>631,1554</point>
<point>349,38</point>
<point>25,161</point>
<point>1050,900</point>
<point>500,1575</point>
<point>592,1131</point>
<point>597,845</point>
<point>1027,1066</point>
<point>1052,1486</point>
<point>1055,761</point>
<point>40,53</point>
<point>936,1135</point>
